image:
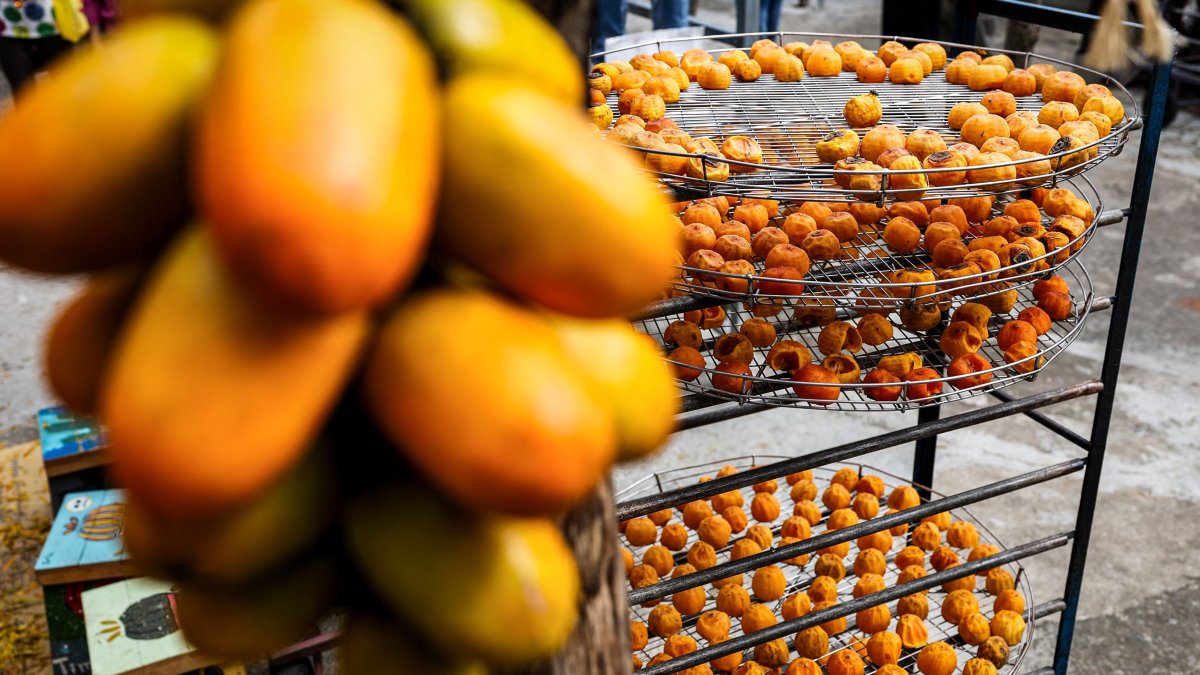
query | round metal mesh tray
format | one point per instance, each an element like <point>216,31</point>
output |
<point>789,118</point>
<point>857,276</point>
<point>799,578</point>
<point>767,388</point>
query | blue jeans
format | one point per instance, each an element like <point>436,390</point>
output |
<point>669,13</point>
<point>610,22</point>
<point>610,18</point>
<point>769,21</point>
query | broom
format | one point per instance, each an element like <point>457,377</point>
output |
<point>1109,49</point>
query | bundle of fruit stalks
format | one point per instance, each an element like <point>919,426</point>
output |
<point>353,313</point>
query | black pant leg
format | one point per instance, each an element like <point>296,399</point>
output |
<point>17,61</point>
<point>48,49</point>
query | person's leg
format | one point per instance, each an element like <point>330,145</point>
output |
<point>669,13</point>
<point>47,50</point>
<point>16,61</point>
<point>610,22</point>
<point>771,11</point>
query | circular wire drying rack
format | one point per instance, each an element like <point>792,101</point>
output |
<point>787,119</point>
<point>799,578</point>
<point>863,273</point>
<point>765,388</point>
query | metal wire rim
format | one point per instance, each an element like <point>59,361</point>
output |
<point>938,628</point>
<point>705,112</point>
<point>823,284</point>
<point>778,390</point>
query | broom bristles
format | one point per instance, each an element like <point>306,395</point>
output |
<point>1157,35</point>
<point>1109,47</point>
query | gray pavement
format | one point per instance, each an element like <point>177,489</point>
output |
<point>1141,596</point>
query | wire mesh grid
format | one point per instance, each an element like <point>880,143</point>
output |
<point>800,577</point>
<point>787,119</point>
<point>867,266</point>
<point>764,387</point>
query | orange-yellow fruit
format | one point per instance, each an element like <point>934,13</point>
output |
<point>713,625</point>
<point>319,188</point>
<point>520,571</point>
<point>689,601</point>
<point>638,635</point>
<point>764,507</point>
<point>1008,625</point>
<point>958,604</point>
<point>702,555</point>
<point>540,434</point>
<point>733,600</point>
<point>812,643</point>
<point>757,617</point>
<point>375,643</point>
<point>695,512</point>
<point>503,36</point>
<point>805,665</point>
<point>884,648</point>
<point>86,190</point>
<point>239,622</point>
<point>845,662</point>
<point>974,629</point>
<point>937,658</point>
<point>194,356</point>
<point>912,631</point>
<point>629,370</point>
<point>80,342</point>
<point>727,663</point>
<point>660,558</point>
<point>715,530</point>
<point>227,550</point>
<point>1011,600</point>
<point>772,654</point>
<point>874,619</point>
<point>916,604</point>
<point>769,583</point>
<point>795,605</point>
<point>525,248</point>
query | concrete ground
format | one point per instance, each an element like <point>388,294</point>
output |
<point>1141,595</point>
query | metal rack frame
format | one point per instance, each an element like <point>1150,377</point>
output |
<point>802,578</point>
<point>701,410</point>
<point>843,279</point>
<point>773,389</point>
<point>787,119</point>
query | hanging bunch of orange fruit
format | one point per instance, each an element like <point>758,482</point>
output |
<point>315,228</point>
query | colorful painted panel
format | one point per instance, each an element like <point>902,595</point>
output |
<point>85,539</point>
<point>63,433</point>
<point>131,628</point>
<point>68,640</point>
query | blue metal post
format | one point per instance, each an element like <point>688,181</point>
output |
<point>749,14</point>
<point>1126,275</point>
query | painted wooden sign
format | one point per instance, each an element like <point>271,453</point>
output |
<point>70,442</point>
<point>85,540</point>
<point>131,628</point>
<point>64,618</point>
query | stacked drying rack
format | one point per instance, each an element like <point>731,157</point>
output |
<point>787,124</point>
